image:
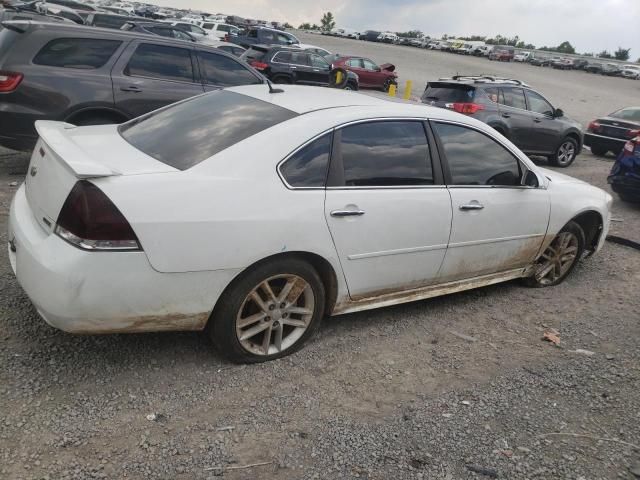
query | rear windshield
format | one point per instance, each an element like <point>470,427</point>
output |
<point>438,92</point>
<point>253,54</point>
<point>189,132</point>
<point>632,114</point>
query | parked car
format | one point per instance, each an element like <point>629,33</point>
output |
<point>502,54</point>
<point>370,35</point>
<point>562,64</point>
<point>263,36</point>
<point>220,30</point>
<point>156,28</point>
<point>515,110</point>
<point>74,5</point>
<point>522,57</point>
<point>483,50</point>
<point>111,20</point>
<point>105,207</point>
<point>540,61</point>
<point>289,65</point>
<point>40,12</point>
<point>314,49</point>
<point>593,67</point>
<point>194,30</point>
<point>610,133</point>
<point>611,70</point>
<point>631,71</point>
<point>116,10</point>
<point>369,74</point>
<point>580,63</point>
<point>87,76</point>
<point>625,173</point>
<point>388,37</point>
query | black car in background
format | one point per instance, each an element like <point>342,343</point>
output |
<point>539,61</point>
<point>370,35</point>
<point>90,76</point>
<point>611,132</point>
<point>611,70</point>
<point>515,110</point>
<point>296,66</point>
<point>262,36</point>
<point>593,67</point>
<point>156,28</point>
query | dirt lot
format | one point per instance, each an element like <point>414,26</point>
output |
<point>451,388</point>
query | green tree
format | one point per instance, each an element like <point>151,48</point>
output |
<point>328,22</point>
<point>565,47</point>
<point>622,53</point>
<point>287,25</point>
<point>305,26</point>
<point>410,34</point>
<point>605,54</point>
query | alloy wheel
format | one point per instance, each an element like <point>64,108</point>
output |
<point>557,259</point>
<point>566,153</point>
<point>275,315</point>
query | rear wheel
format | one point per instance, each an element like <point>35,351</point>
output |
<point>269,312</point>
<point>599,151</point>
<point>565,154</point>
<point>559,258</point>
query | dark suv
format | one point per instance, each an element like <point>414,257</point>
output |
<point>515,110</point>
<point>293,65</point>
<point>91,76</point>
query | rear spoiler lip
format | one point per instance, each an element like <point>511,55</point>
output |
<point>77,160</point>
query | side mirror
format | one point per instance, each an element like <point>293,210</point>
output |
<point>531,180</point>
<point>558,113</point>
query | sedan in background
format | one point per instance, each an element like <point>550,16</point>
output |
<point>369,74</point>
<point>610,133</point>
<point>345,208</point>
<point>631,71</point>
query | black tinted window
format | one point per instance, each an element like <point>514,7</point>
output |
<point>308,167</point>
<point>538,104</point>
<point>184,134</point>
<point>85,53</point>
<point>476,159</point>
<point>386,153</point>
<point>108,21</point>
<point>448,93</point>
<point>514,97</point>
<point>158,61</point>
<point>224,71</point>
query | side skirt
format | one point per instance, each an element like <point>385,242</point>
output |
<point>386,298</point>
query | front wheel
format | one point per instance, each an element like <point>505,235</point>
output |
<point>387,84</point>
<point>560,257</point>
<point>565,154</point>
<point>269,312</point>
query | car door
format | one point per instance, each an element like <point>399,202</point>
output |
<point>513,109</point>
<point>151,75</point>
<point>547,129</point>
<point>386,207</point>
<point>321,70</point>
<point>498,223</point>
<point>375,77</point>
<point>301,67</point>
<point>220,71</point>
<point>356,65</point>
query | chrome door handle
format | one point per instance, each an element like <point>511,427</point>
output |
<point>506,115</point>
<point>472,206</point>
<point>131,88</point>
<point>347,213</point>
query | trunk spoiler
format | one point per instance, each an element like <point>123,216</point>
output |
<point>70,154</point>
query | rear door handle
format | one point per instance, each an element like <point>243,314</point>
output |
<point>131,88</point>
<point>472,206</point>
<point>347,213</point>
<point>537,120</point>
<point>506,115</point>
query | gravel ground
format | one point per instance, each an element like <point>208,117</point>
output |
<point>458,387</point>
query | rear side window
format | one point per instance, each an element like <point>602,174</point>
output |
<point>386,154</point>
<point>476,159</point>
<point>253,54</point>
<point>514,97</point>
<point>187,133</point>
<point>308,166</point>
<point>81,53</point>
<point>107,21</point>
<point>159,61</point>
<point>224,71</point>
<point>438,92</point>
<point>355,63</point>
<point>282,57</point>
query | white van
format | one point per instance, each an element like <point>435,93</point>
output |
<point>522,57</point>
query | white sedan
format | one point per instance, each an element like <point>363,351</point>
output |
<point>252,213</point>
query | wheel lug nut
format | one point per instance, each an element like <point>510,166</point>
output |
<point>272,307</point>
<point>266,319</point>
<point>282,305</point>
<point>285,315</point>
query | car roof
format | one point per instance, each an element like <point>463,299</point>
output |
<point>480,80</point>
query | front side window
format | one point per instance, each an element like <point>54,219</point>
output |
<point>355,62</point>
<point>160,61</point>
<point>319,62</point>
<point>514,97</point>
<point>369,65</point>
<point>80,53</point>
<point>224,71</point>
<point>299,58</point>
<point>476,159</point>
<point>539,105</point>
<point>308,166</point>
<point>394,153</point>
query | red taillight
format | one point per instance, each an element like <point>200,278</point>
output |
<point>594,126</point>
<point>259,65</point>
<point>226,38</point>
<point>630,146</point>
<point>89,220</point>
<point>9,81</point>
<point>466,108</point>
<point>632,133</point>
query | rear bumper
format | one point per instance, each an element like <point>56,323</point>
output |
<point>625,185</point>
<point>104,292</point>
<point>610,143</point>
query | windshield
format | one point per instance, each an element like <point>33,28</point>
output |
<point>454,93</point>
<point>632,114</point>
<point>187,133</point>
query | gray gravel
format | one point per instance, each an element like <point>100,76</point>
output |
<point>391,393</point>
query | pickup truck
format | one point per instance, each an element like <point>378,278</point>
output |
<point>262,36</point>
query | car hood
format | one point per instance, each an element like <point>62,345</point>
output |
<point>559,178</point>
<point>387,67</point>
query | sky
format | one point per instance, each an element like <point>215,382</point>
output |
<point>590,25</point>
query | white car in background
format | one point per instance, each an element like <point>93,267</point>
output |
<point>252,213</point>
<point>631,71</point>
<point>219,30</point>
<point>522,57</point>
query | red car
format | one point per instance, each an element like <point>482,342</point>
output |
<point>502,55</point>
<point>370,75</point>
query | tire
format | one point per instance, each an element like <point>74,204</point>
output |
<point>351,86</point>
<point>333,78</point>
<point>282,80</point>
<point>552,258</point>
<point>598,151</point>
<point>237,303</point>
<point>565,154</point>
<point>387,85</point>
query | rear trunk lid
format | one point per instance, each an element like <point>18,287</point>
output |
<point>614,127</point>
<point>65,154</point>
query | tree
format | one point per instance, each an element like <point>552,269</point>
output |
<point>622,53</point>
<point>287,25</point>
<point>328,22</point>
<point>565,47</point>
<point>605,54</point>
<point>305,26</point>
<point>410,34</point>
